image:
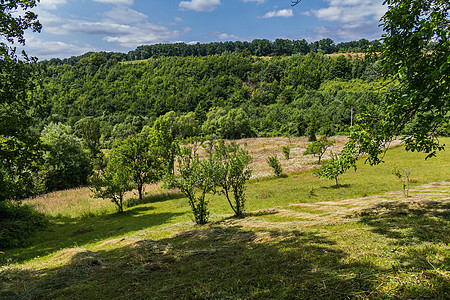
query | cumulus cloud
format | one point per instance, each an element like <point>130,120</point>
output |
<point>226,36</point>
<point>356,18</point>
<point>347,11</point>
<point>116,2</point>
<point>50,4</point>
<point>50,49</point>
<point>283,13</point>
<point>125,15</point>
<point>256,1</point>
<point>141,34</point>
<point>199,5</point>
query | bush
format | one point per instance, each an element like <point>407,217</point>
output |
<point>274,163</point>
<point>17,223</point>
<point>286,152</point>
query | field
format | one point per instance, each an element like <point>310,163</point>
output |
<point>302,238</point>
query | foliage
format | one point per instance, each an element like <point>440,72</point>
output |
<point>339,164</point>
<point>114,181</point>
<point>164,142</point>
<point>17,223</point>
<point>286,151</point>
<point>141,157</point>
<point>19,147</point>
<point>404,176</point>
<point>66,164</point>
<point>195,179</point>
<point>88,129</point>
<point>319,147</point>
<point>415,55</point>
<point>274,163</point>
<point>230,170</point>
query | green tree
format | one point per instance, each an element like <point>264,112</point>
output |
<point>141,157</point>
<point>114,181</point>
<point>319,147</point>
<point>19,147</point>
<point>339,164</point>
<point>231,171</point>
<point>89,130</point>
<point>415,54</point>
<point>274,163</point>
<point>66,164</point>
<point>195,179</point>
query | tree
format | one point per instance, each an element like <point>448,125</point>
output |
<point>414,55</point>
<point>319,147</point>
<point>66,164</point>
<point>339,164</point>
<point>195,179</point>
<point>114,181</point>
<point>89,130</point>
<point>19,147</point>
<point>231,171</point>
<point>141,156</point>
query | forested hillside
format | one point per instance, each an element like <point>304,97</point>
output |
<point>232,96</point>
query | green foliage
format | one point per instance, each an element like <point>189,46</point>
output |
<point>339,164</point>
<point>140,156</point>
<point>404,176</point>
<point>195,179</point>
<point>319,147</point>
<point>17,223</point>
<point>230,170</point>
<point>114,181</point>
<point>19,147</point>
<point>88,129</point>
<point>164,142</point>
<point>286,151</point>
<point>66,164</point>
<point>415,53</point>
<point>274,163</point>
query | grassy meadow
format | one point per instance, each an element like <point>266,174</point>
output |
<point>302,238</point>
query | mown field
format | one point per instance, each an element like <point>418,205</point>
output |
<point>302,238</point>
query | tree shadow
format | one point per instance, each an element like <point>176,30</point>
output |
<point>409,222</point>
<point>64,232</point>
<point>214,262</point>
<point>155,198</point>
<point>334,187</point>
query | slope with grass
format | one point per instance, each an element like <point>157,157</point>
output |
<point>302,238</point>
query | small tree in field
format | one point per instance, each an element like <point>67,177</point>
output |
<point>286,152</point>
<point>195,180</point>
<point>339,164</point>
<point>113,182</point>
<point>139,155</point>
<point>230,169</point>
<point>319,147</point>
<point>274,163</point>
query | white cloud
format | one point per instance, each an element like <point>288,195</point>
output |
<point>125,15</point>
<point>116,2</point>
<point>50,49</point>
<point>199,5</point>
<point>50,4</point>
<point>256,1</point>
<point>284,13</point>
<point>142,34</point>
<point>178,19</point>
<point>226,36</point>
<point>347,11</point>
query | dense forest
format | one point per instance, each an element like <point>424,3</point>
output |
<point>228,95</point>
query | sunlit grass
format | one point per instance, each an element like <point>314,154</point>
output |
<point>363,240</point>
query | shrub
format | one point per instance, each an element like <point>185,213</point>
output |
<point>17,223</point>
<point>274,163</point>
<point>286,152</point>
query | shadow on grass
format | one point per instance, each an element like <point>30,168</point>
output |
<point>67,232</point>
<point>214,262</point>
<point>410,222</point>
<point>155,198</point>
<point>334,187</point>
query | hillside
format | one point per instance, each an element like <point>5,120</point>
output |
<point>301,238</point>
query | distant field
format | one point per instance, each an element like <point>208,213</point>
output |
<point>302,238</point>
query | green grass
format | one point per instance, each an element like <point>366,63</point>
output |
<point>291,245</point>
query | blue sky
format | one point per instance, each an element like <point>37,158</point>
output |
<point>73,27</point>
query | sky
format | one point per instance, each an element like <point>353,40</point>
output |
<point>74,27</point>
